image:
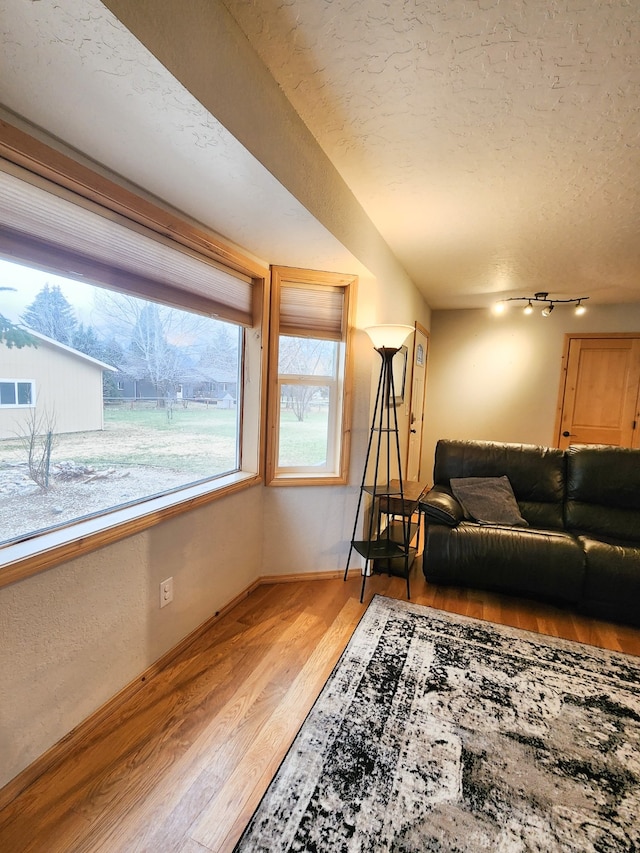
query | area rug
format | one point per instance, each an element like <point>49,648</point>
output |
<point>436,732</point>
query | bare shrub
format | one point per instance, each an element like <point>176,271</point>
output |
<point>38,440</point>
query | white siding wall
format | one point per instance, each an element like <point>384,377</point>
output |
<point>68,388</point>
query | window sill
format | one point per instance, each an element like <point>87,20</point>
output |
<point>21,560</point>
<point>306,479</point>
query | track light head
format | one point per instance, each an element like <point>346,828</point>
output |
<point>547,311</point>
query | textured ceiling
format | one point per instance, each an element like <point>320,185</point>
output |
<point>496,145</point>
<point>62,60</point>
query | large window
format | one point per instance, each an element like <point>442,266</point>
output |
<point>137,344</point>
<point>309,411</point>
<point>136,399</point>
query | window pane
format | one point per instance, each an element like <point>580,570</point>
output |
<point>24,393</point>
<point>7,393</point>
<point>304,425</point>
<point>134,399</point>
<point>307,356</point>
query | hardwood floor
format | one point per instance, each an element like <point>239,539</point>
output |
<point>182,765</point>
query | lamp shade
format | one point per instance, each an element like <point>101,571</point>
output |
<point>388,336</point>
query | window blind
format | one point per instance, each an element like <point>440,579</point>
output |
<point>314,311</point>
<point>52,228</point>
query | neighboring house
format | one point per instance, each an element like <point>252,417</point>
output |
<point>199,385</point>
<point>135,389</point>
<point>52,381</point>
<point>217,386</point>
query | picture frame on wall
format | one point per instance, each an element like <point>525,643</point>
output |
<point>399,365</point>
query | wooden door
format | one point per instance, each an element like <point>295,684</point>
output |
<point>601,392</point>
<point>416,408</point>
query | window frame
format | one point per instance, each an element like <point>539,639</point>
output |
<point>18,405</point>
<point>340,424</point>
<point>23,559</point>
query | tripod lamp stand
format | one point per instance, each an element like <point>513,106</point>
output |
<point>381,463</point>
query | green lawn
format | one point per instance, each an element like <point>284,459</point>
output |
<point>196,440</point>
<point>303,442</point>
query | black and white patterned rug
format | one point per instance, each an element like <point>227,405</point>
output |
<point>440,733</point>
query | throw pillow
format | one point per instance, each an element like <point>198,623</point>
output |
<point>488,500</point>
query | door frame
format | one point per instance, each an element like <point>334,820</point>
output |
<point>573,336</point>
<point>418,327</point>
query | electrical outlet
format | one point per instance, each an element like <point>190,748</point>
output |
<point>166,592</point>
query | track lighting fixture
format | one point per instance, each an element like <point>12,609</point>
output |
<point>541,296</point>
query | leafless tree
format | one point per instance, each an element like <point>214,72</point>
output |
<point>157,341</point>
<point>304,357</point>
<point>38,439</point>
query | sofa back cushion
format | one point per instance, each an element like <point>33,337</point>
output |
<point>536,474</point>
<point>603,491</point>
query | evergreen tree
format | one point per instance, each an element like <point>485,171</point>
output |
<point>13,335</point>
<point>111,353</point>
<point>221,353</point>
<point>87,341</point>
<point>51,314</point>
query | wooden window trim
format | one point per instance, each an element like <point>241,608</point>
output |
<point>20,148</point>
<point>309,278</point>
<point>32,556</point>
<point>29,557</point>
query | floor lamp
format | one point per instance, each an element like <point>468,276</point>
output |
<point>383,451</point>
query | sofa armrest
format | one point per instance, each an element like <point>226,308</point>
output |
<point>440,507</point>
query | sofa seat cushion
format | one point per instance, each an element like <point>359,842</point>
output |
<point>612,579</point>
<point>522,561</point>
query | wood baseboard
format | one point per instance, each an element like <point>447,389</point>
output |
<point>60,750</point>
<point>302,576</point>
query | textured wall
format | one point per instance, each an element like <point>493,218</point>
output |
<point>206,51</point>
<point>498,378</point>
<point>73,636</point>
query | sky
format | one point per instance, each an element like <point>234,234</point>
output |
<point>29,282</point>
<point>26,282</point>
